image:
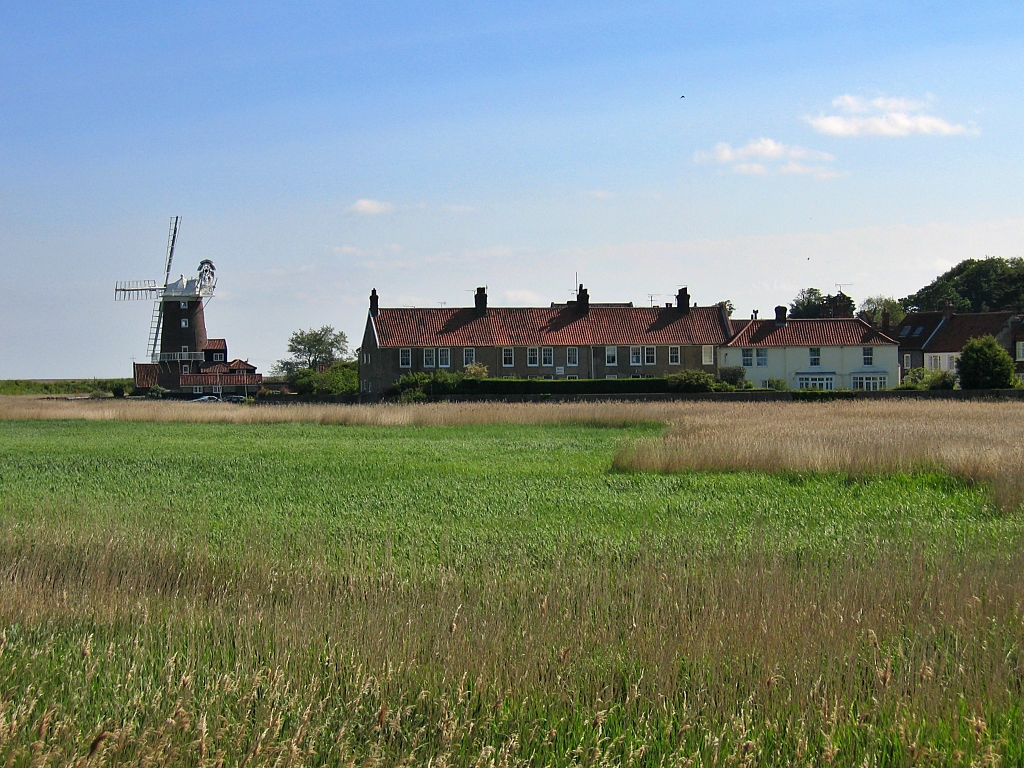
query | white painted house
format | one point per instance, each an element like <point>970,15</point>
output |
<point>820,353</point>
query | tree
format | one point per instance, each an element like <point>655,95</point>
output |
<point>312,349</point>
<point>874,305</point>
<point>807,303</point>
<point>974,285</point>
<point>983,364</point>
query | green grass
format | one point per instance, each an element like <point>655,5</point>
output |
<point>316,594</point>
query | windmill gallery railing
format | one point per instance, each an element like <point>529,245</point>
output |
<point>167,357</point>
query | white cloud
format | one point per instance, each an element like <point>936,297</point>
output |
<point>528,298</point>
<point>750,169</point>
<point>817,171</point>
<point>366,207</point>
<point>769,153</point>
<point>883,116</point>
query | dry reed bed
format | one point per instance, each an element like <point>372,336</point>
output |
<point>725,659</point>
<point>974,441</point>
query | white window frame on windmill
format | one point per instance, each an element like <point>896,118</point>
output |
<point>182,305</point>
<point>184,322</point>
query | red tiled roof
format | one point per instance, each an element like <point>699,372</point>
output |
<point>215,368</point>
<point>146,375</point>
<point>557,326</point>
<point>217,345</point>
<point>241,365</point>
<point>809,332</point>
<point>954,333</point>
<point>226,380</point>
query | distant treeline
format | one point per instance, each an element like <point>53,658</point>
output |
<point>63,386</point>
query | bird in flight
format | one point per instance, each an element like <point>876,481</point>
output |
<point>682,97</point>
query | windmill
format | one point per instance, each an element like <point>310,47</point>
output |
<point>187,293</point>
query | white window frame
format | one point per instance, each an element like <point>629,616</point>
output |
<point>217,389</point>
<point>707,354</point>
<point>508,357</point>
<point>197,390</point>
<point>611,356</point>
<point>868,356</point>
<point>218,357</point>
<point>547,356</point>
<point>636,356</point>
<point>814,357</point>
<point>747,357</point>
<point>186,368</point>
<point>572,377</point>
<point>366,358</point>
<point>468,356</point>
<point>826,383</point>
<point>611,376</point>
<point>650,355</point>
<point>951,362</point>
<point>182,305</point>
<point>1020,350</point>
<point>429,357</point>
<point>405,357</point>
<point>935,362</point>
<point>673,356</point>
<point>572,357</point>
<point>762,357</point>
<point>532,357</point>
<point>871,382</point>
<point>444,357</point>
<point>906,361</point>
<point>184,322</point>
<point>184,347</point>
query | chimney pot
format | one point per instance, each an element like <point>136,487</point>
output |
<point>683,300</point>
<point>780,315</point>
<point>885,319</point>
<point>583,300</point>
<point>373,302</point>
<point>481,300</point>
<point>947,310</point>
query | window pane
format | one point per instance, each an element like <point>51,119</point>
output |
<point>572,356</point>
<point>762,357</point>
<point>468,356</point>
<point>531,356</point>
<point>547,356</point>
<point>508,357</point>
<point>748,357</point>
<point>650,355</point>
<point>428,357</point>
<point>634,356</point>
<point>611,355</point>
<point>707,355</point>
<point>673,355</point>
<point>444,357</point>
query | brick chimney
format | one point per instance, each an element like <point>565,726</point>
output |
<point>373,303</point>
<point>481,301</point>
<point>885,320</point>
<point>583,300</point>
<point>683,300</point>
<point>947,310</point>
<point>780,315</point>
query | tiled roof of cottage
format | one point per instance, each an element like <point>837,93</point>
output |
<point>954,333</point>
<point>916,328</point>
<point>556,326</point>
<point>217,345</point>
<point>216,368</point>
<point>213,379</point>
<point>809,332</point>
<point>146,374</point>
<point>241,365</point>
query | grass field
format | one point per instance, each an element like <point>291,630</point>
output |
<point>492,594</point>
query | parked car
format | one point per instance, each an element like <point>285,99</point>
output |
<point>207,399</point>
<point>234,399</point>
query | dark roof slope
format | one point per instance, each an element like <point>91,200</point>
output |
<point>146,374</point>
<point>557,326</point>
<point>916,328</point>
<point>809,332</point>
<point>953,334</point>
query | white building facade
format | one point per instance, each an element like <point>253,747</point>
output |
<point>819,353</point>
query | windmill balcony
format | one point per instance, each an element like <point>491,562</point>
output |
<point>182,356</point>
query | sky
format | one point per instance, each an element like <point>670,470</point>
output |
<point>318,150</point>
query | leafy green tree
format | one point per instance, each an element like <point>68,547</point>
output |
<point>311,349</point>
<point>340,379</point>
<point>873,306</point>
<point>974,285</point>
<point>734,375</point>
<point>983,364</point>
<point>808,303</point>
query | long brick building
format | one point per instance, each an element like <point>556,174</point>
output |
<point>575,340</point>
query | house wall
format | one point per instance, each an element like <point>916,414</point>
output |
<point>842,363</point>
<point>379,368</point>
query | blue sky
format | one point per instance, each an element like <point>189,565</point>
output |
<point>423,149</point>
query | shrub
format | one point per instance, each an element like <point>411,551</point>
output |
<point>156,392</point>
<point>779,385</point>
<point>339,379</point>
<point>734,375</point>
<point>475,371</point>
<point>691,381</point>
<point>983,364</point>
<point>922,378</point>
<point>117,390</point>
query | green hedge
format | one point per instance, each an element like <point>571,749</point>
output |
<point>63,387</point>
<point>560,386</point>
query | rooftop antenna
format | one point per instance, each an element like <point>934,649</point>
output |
<point>839,286</point>
<point>442,303</point>
<point>651,296</point>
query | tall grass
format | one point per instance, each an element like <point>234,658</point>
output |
<point>978,442</point>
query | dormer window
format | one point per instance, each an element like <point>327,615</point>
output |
<point>218,357</point>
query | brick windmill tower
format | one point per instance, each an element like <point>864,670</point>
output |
<point>182,358</point>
